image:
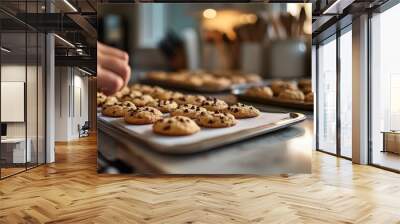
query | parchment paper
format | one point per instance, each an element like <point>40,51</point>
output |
<point>204,134</point>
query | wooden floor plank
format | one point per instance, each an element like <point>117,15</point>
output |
<point>70,191</point>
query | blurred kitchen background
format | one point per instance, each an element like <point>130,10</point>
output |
<point>248,38</point>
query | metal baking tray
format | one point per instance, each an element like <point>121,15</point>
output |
<point>199,89</point>
<point>239,93</point>
<point>118,129</point>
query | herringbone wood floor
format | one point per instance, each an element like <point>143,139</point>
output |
<point>70,191</point>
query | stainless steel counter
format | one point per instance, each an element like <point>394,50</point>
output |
<point>280,152</point>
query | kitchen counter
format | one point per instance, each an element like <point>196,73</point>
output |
<point>282,152</point>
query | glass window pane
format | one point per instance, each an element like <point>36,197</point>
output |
<point>13,84</point>
<point>385,88</point>
<point>327,97</point>
<point>41,99</point>
<point>31,97</point>
<point>346,94</point>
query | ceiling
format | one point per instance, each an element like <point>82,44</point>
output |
<point>73,20</point>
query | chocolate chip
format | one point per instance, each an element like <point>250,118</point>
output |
<point>203,113</point>
<point>181,120</point>
<point>169,121</point>
<point>236,110</point>
<point>186,110</point>
<point>197,109</point>
<point>210,121</point>
<point>193,107</point>
<point>167,128</point>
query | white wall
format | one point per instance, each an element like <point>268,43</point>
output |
<point>71,94</point>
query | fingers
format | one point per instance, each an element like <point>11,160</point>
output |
<point>108,81</point>
<point>113,68</point>
<point>116,65</point>
<point>113,52</point>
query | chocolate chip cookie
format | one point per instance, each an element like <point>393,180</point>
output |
<point>309,98</point>
<point>216,119</point>
<point>141,101</point>
<point>188,110</point>
<point>165,106</point>
<point>113,110</point>
<point>101,99</point>
<point>127,105</point>
<point>260,92</point>
<point>142,115</point>
<point>175,126</point>
<point>279,86</point>
<point>214,104</point>
<point>240,110</point>
<point>291,95</point>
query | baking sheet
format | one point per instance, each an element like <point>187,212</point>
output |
<point>200,89</point>
<point>239,92</point>
<point>206,138</point>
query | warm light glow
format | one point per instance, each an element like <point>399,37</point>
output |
<point>294,10</point>
<point>64,40</point>
<point>5,49</point>
<point>70,6</point>
<point>227,20</point>
<point>209,13</point>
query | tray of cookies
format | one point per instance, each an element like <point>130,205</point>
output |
<point>183,124</point>
<point>289,94</point>
<point>206,82</point>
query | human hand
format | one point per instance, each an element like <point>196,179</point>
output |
<point>113,70</point>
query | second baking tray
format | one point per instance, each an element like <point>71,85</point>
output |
<point>239,92</point>
<point>206,139</point>
<point>199,89</point>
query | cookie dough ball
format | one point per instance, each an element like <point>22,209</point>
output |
<point>293,95</point>
<point>176,126</point>
<point>259,92</point>
<point>214,104</point>
<point>142,115</point>
<point>216,119</point>
<point>188,110</point>
<point>165,106</point>
<point>240,111</point>
<point>279,86</point>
